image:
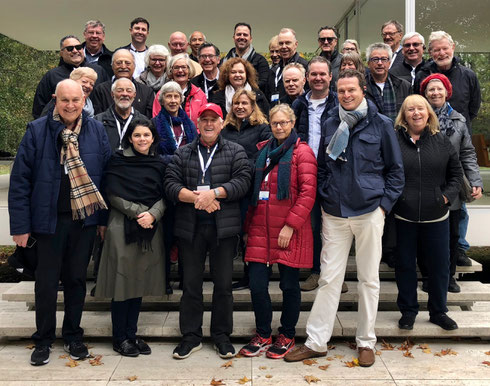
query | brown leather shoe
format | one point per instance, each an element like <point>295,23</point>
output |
<point>366,357</point>
<point>344,287</point>
<point>311,282</point>
<point>303,352</point>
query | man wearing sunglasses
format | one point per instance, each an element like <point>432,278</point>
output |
<point>413,46</point>
<point>71,57</point>
<point>327,41</point>
<point>386,90</point>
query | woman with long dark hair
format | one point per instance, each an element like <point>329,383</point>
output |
<point>131,262</point>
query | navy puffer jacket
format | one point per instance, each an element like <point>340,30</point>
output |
<point>36,174</point>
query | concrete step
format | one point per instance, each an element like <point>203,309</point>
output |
<point>166,324</point>
<point>471,291</point>
<point>385,272</point>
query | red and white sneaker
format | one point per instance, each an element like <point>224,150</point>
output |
<point>280,348</point>
<point>256,346</point>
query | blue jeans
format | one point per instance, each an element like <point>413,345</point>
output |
<point>463,228</point>
<point>261,300</point>
<point>433,239</point>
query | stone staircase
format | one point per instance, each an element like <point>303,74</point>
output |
<point>159,316</point>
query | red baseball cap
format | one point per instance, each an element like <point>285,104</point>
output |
<point>211,107</point>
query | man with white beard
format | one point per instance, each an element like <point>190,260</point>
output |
<point>117,117</point>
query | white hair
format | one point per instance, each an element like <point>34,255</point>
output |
<point>155,49</point>
<point>117,81</point>
<point>439,35</point>
<point>378,46</point>
<point>410,35</point>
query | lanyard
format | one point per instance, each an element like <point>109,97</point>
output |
<point>125,127</point>
<point>278,76</point>
<point>206,90</point>
<point>177,141</point>
<point>204,168</point>
<point>267,163</point>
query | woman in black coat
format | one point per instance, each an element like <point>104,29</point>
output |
<point>433,178</point>
<point>237,73</point>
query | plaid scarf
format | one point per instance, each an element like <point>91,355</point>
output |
<point>85,198</point>
<point>386,100</point>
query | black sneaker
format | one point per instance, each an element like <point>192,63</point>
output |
<point>281,347</point>
<point>463,260</point>
<point>453,286</point>
<point>127,348</point>
<point>406,322</point>
<point>40,355</point>
<point>77,350</point>
<point>225,350</point>
<point>185,349</point>
<point>425,285</point>
<point>143,346</point>
<point>240,284</point>
<point>444,321</point>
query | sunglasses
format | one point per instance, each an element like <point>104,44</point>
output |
<point>77,47</point>
<point>415,45</point>
<point>329,40</point>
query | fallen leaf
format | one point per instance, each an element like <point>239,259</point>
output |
<point>244,380</point>
<point>445,352</point>
<point>132,378</point>
<point>96,361</point>
<point>352,345</point>
<point>378,352</point>
<point>408,354</point>
<point>331,347</point>
<point>486,363</point>
<point>353,363</point>
<point>268,376</point>
<point>309,362</point>
<point>387,346</point>
<point>238,356</point>
<point>406,345</point>
<point>311,379</point>
<point>71,363</point>
<point>339,356</point>
<point>423,346</point>
<point>227,364</point>
<point>324,367</point>
<point>330,358</point>
<point>64,356</point>
<point>427,351</point>
<point>262,367</point>
<point>30,346</point>
<point>217,382</point>
<point>487,352</point>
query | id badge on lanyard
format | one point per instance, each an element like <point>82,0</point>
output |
<point>264,194</point>
<point>204,168</point>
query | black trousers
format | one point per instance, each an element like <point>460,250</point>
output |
<point>64,254</point>
<point>125,316</point>
<point>193,256</point>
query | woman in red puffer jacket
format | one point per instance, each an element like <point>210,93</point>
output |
<point>278,230</point>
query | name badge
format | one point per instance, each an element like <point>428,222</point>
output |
<point>264,195</point>
<point>274,97</point>
<point>203,188</point>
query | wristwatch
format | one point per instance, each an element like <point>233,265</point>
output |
<point>216,192</point>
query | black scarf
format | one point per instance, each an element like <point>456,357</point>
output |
<point>137,179</point>
<point>277,154</point>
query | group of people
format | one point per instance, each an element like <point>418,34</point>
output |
<point>155,152</point>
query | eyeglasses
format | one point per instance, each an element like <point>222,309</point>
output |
<point>415,45</point>
<point>329,40</point>
<point>281,123</point>
<point>77,47</point>
<point>391,34</point>
<point>349,49</point>
<point>376,60</point>
<point>158,60</point>
<point>204,57</point>
<point>177,68</point>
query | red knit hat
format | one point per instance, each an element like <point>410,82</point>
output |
<point>443,78</point>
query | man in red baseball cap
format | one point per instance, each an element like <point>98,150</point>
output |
<point>206,179</point>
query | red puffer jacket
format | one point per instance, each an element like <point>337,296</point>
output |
<point>193,103</point>
<point>265,221</point>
